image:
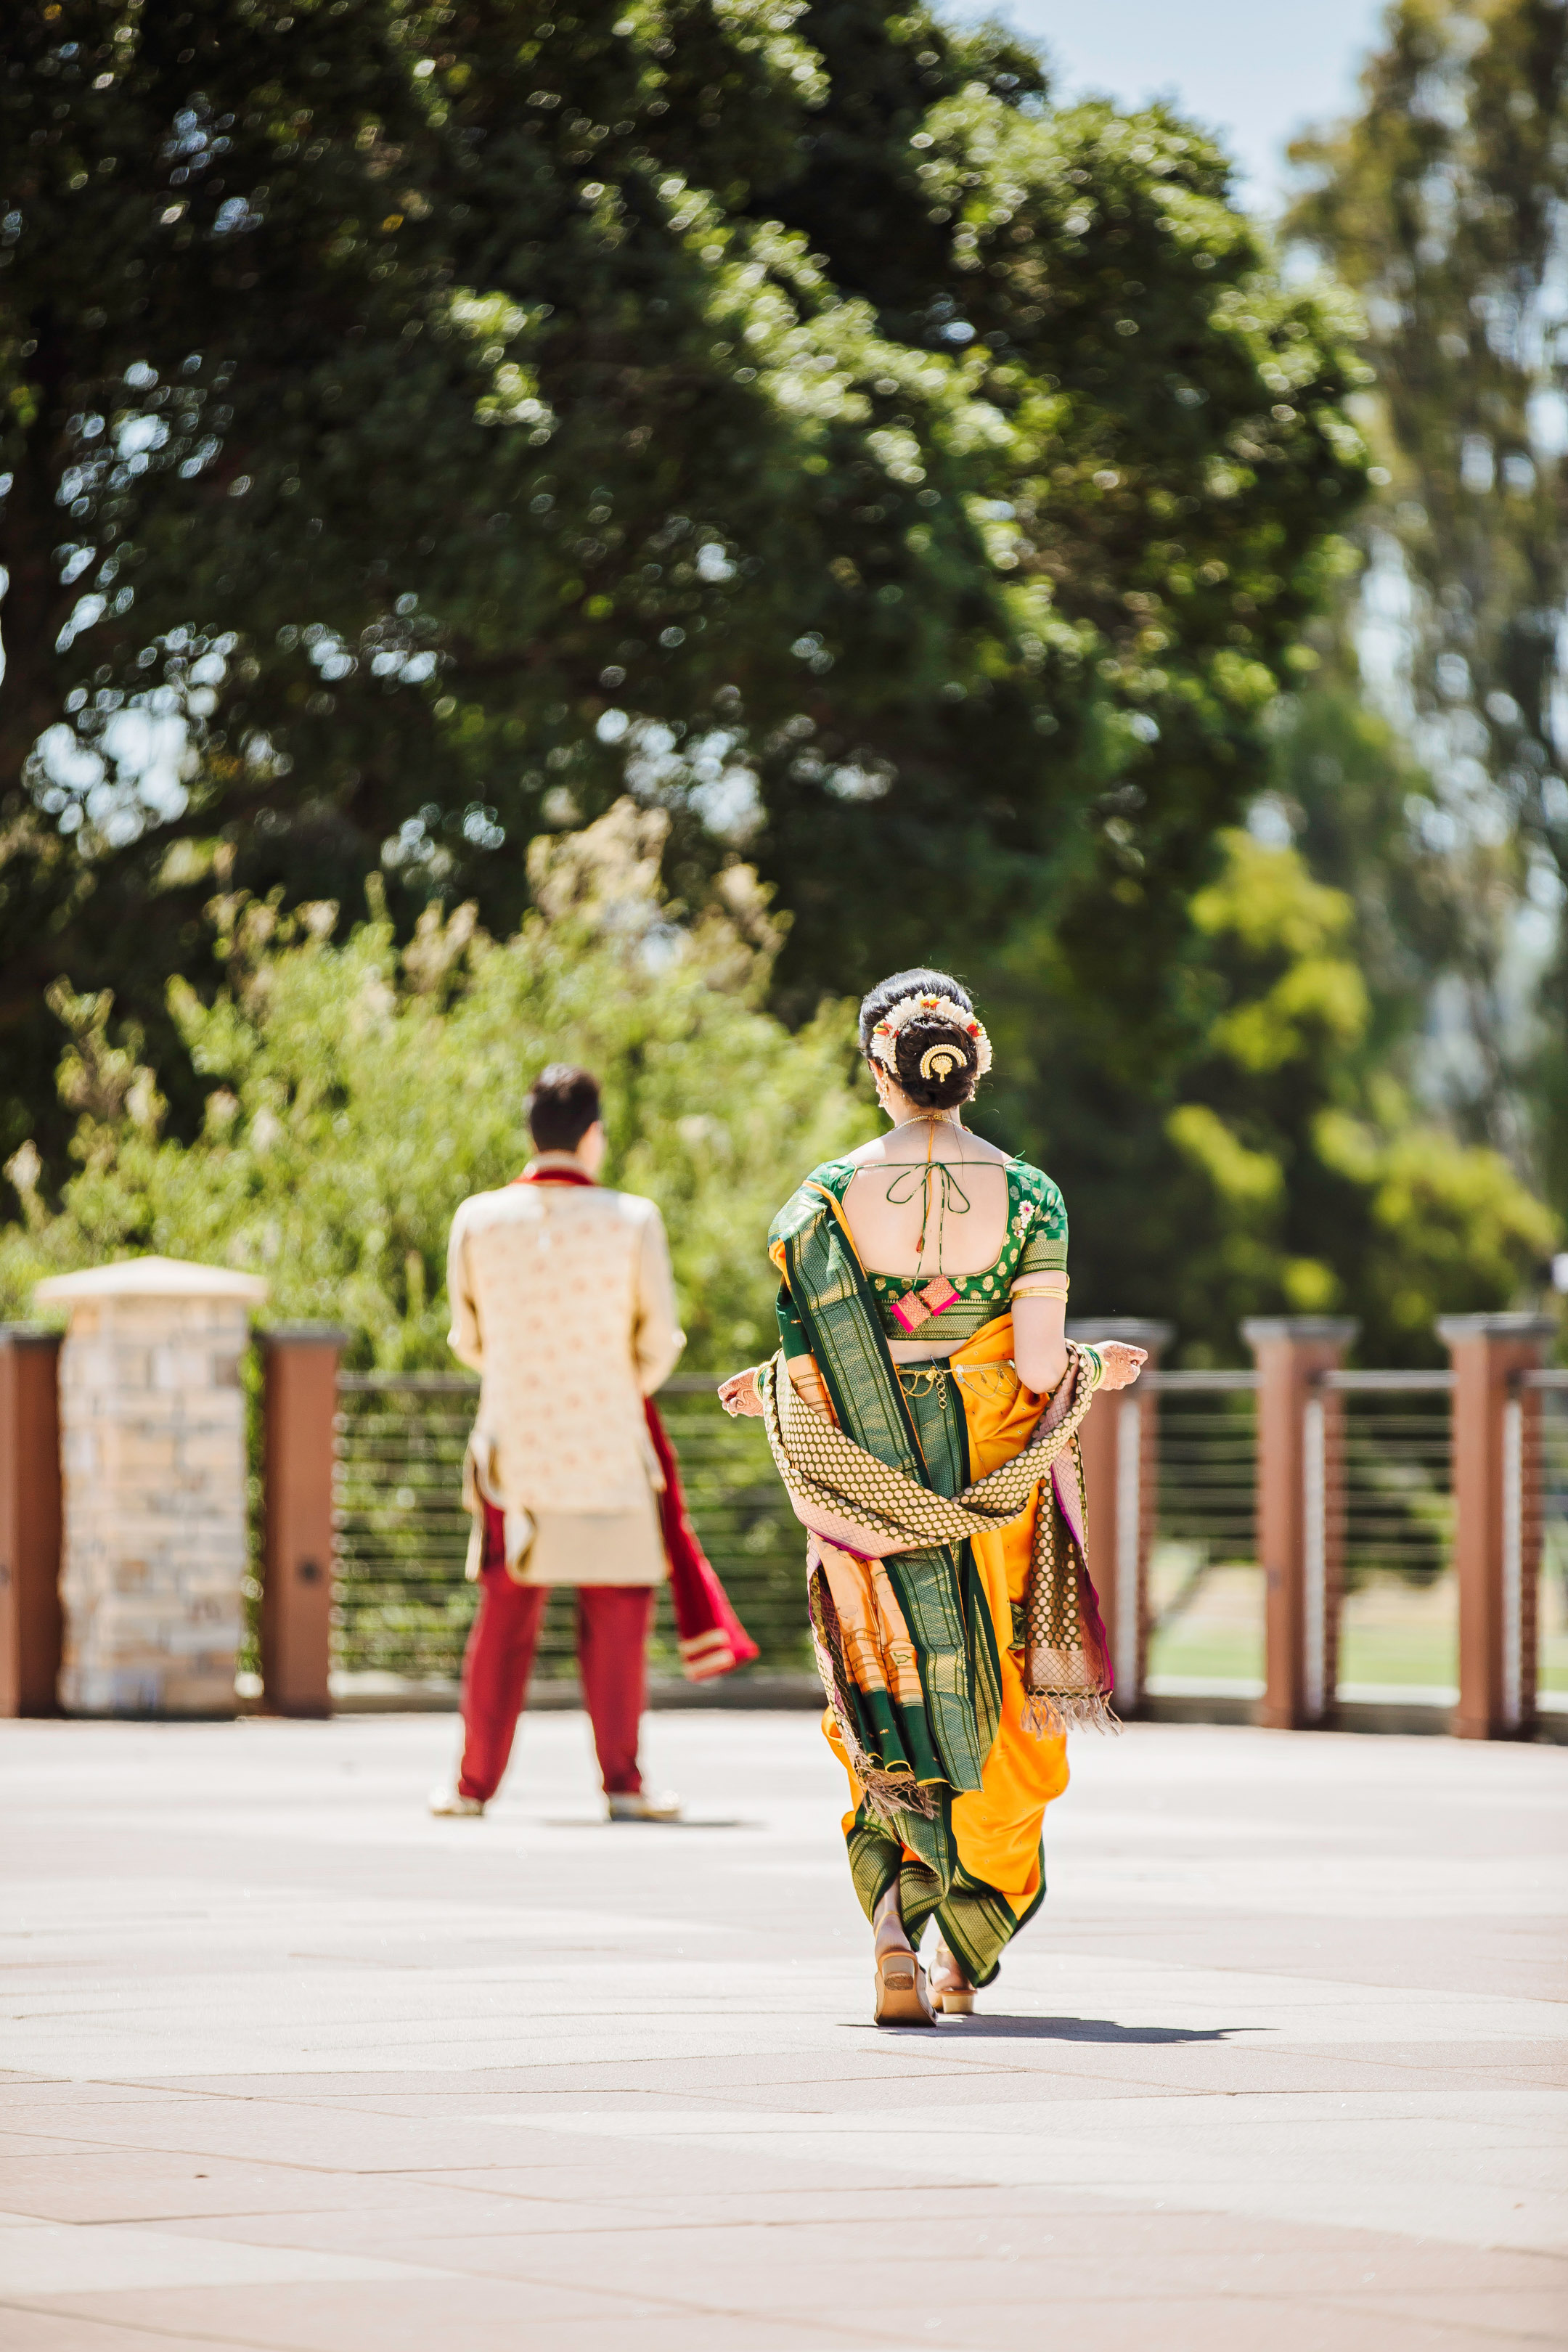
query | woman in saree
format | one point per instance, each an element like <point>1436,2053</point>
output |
<point>924,1411</point>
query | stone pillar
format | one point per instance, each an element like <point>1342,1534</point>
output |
<point>1119,1442</point>
<point>1495,1538</point>
<point>301,1370</point>
<point>153,1446</point>
<point>1300,1515</point>
<point>30,1519</point>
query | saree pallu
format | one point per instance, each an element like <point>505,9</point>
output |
<point>924,1650</point>
<point>712,1639</point>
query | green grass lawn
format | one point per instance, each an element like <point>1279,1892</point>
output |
<point>1216,1634</point>
<point>1391,1633</point>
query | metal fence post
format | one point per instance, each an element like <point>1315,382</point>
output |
<point>300,1376</point>
<point>1299,1511</point>
<point>30,1625</point>
<point>1120,1444</point>
<point>1496,1540</point>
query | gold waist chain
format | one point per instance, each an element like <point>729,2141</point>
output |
<point>994,1380</point>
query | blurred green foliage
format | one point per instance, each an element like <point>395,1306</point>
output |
<point>1281,1167</point>
<point>359,1091</point>
<point>1441,203</point>
<point>448,415</point>
<point>443,419</point>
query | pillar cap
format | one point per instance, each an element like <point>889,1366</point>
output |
<point>28,1335</point>
<point>1136,1330</point>
<point>1496,1326</point>
<point>305,1334</point>
<point>1339,1329</point>
<point>150,1277</point>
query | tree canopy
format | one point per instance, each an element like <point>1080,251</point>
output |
<point>1280,1163</point>
<point>423,421</point>
<point>1441,203</point>
<point>427,427</point>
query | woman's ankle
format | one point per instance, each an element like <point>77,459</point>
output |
<point>888,1923</point>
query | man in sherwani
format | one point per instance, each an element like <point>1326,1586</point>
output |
<point>562,1301</point>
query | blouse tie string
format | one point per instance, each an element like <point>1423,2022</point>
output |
<point>936,1175</point>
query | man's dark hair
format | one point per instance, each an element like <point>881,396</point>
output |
<point>562,1103</point>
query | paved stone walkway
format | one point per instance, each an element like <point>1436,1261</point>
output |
<point>294,2066</point>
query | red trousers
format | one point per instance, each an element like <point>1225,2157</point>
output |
<point>612,1622</point>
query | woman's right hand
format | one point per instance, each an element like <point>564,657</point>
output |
<point>1123,1364</point>
<point>739,1396</point>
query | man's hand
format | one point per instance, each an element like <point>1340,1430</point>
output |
<point>1123,1364</point>
<point>739,1397</point>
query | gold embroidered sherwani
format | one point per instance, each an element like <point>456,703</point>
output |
<point>562,1301</point>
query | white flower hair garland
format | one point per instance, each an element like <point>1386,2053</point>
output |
<point>883,1041</point>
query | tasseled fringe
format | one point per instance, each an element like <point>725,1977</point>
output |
<point>1052,1714</point>
<point>704,1655</point>
<point>889,1795</point>
<point>712,1665</point>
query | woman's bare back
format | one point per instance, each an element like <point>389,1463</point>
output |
<point>931,1180</point>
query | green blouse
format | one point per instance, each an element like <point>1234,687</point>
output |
<point>1036,1242</point>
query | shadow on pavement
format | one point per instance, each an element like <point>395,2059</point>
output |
<point>1102,2029</point>
<point>695,1821</point>
<point>1086,2029</point>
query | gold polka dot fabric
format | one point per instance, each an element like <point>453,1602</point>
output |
<point>850,1496</point>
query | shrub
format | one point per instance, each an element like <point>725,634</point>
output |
<point>358,1092</point>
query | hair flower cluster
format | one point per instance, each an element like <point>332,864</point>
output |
<point>883,1041</point>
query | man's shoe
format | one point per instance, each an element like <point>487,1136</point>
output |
<point>656,1805</point>
<point>451,1805</point>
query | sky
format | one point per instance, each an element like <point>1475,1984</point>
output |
<point>1253,69</point>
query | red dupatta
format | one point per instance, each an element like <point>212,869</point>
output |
<point>711,1637</point>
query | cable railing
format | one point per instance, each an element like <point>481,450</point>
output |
<point>1205,1589</point>
<point>744,1524</point>
<point>1543,1514</point>
<point>1398,1634</point>
<point>402,1605</point>
<point>1384,1528</point>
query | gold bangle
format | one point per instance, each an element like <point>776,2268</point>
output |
<point>1050,1286</point>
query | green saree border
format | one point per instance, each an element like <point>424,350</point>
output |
<point>975,1920</point>
<point>833,1300</point>
<point>938,1589</point>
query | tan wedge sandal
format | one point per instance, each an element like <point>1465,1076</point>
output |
<point>903,1997</point>
<point>952,2000</point>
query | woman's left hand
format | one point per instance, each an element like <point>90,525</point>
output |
<point>739,1397</point>
<point>1123,1364</point>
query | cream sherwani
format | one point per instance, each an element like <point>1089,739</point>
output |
<point>562,1301</point>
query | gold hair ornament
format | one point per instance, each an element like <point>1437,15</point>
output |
<point>883,1041</point>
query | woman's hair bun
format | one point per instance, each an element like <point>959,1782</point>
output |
<point>936,1064</point>
<point>935,1061</point>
